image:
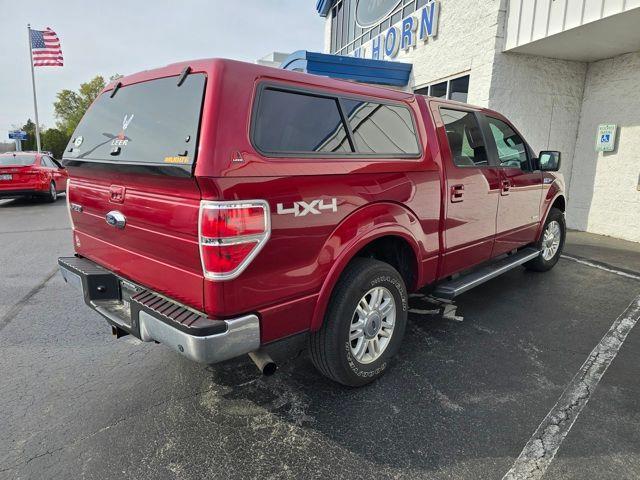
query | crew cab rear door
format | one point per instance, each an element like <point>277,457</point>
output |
<point>472,188</point>
<point>520,186</point>
<point>131,157</point>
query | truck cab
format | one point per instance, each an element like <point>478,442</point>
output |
<point>218,207</point>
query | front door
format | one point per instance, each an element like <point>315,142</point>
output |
<point>520,187</point>
<point>472,190</point>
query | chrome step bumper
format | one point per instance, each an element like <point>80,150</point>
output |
<point>241,336</point>
<point>154,318</point>
<point>453,288</point>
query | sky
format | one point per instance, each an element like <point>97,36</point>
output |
<point>105,38</point>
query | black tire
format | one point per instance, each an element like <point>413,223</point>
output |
<point>52,196</point>
<point>540,264</point>
<point>330,346</point>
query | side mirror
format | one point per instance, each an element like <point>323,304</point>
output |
<point>549,161</point>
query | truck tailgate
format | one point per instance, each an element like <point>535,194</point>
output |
<point>158,247</point>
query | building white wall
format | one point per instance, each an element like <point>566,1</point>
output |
<point>529,21</point>
<point>541,96</point>
<point>465,44</point>
<point>556,104</point>
<point>327,34</point>
<point>604,196</point>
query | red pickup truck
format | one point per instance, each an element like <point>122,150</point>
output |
<point>220,206</point>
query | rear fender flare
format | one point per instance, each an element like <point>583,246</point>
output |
<point>354,233</point>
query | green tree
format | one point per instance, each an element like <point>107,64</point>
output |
<point>30,142</point>
<point>54,140</point>
<point>70,105</point>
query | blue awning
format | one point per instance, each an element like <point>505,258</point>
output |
<point>323,7</point>
<point>363,70</point>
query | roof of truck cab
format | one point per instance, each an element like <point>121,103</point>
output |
<point>212,65</point>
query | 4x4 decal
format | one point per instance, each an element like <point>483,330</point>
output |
<point>315,207</point>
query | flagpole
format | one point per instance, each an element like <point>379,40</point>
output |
<point>33,82</point>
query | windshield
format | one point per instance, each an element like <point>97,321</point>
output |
<point>17,160</point>
<point>154,122</point>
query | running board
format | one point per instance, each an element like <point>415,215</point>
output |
<point>453,288</point>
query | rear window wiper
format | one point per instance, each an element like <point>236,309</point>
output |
<point>183,76</point>
<point>115,89</point>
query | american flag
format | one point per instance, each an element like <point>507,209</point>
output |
<point>45,46</point>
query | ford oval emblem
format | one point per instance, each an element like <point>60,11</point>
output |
<point>369,12</point>
<point>116,219</point>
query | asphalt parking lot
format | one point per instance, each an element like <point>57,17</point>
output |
<point>461,402</point>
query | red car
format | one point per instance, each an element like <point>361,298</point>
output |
<point>26,174</point>
<point>220,206</point>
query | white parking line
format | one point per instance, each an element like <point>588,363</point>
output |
<point>600,267</point>
<point>542,447</point>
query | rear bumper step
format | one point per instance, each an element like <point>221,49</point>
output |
<point>153,317</point>
<point>453,288</point>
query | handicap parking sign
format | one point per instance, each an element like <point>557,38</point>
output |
<point>606,139</point>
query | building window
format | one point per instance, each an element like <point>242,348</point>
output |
<point>454,89</point>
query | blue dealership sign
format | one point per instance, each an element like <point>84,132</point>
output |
<point>18,135</point>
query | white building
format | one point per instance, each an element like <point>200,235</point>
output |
<point>274,59</point>
<point>557,68</point>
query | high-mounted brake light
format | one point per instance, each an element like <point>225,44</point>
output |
<point>230,235</point>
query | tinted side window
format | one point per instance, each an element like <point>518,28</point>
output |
<point>512,151</point>
<point>381,129</point>
<point>465,138</point>
<point>47,162</point>
<point>288,122</point>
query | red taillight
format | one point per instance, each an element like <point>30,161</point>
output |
<point>232,222</point>
<point>230,235</point>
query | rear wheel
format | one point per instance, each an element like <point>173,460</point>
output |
<point>551,242</point>
<point>52,196</point>
<point>364,324</point>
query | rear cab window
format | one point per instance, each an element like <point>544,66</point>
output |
<point>155,122</point>
<point>291,122</point>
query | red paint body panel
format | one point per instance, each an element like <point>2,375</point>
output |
<point>159,246</point>
<point>31,179</point>
<point>290,281</point>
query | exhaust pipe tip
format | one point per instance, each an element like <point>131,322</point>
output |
<point>264,362</point>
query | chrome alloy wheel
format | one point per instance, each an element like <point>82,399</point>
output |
<point>52,191</point>
<point>551,240</point>
<point>372,325</point>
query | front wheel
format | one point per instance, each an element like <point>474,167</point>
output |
<point>364,324</point>
<point>551,242</point>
